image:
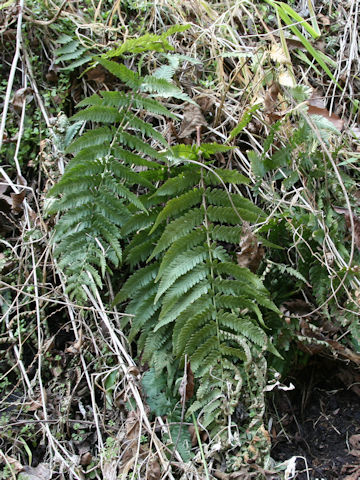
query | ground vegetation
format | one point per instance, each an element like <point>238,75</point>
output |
<point>179,240</point>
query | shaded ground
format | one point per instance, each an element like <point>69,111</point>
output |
<point>320,421</point>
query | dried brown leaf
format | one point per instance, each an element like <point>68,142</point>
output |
<point>355,442</point>
<point>317,100</point>
<point>354,471</point>
<point>325,21</point>
<point>154,470</point>
<point>15,464</point>
<point>271,98</point>
<point>75,347</point>
<point>192,119</point>
<point>97,74</point>
<point>333,118</point>
<point>277,54</point>
<point>86,459</point>
<point>41,472</point>
<point>20,97</point>
<point>251,252</point>
<point>17,201</point>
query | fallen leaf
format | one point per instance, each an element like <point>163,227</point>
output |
<point>75,347</point>
<point>286,79</point>
<point>20,97</point>
<point>85,459</point>
<point>355,441</point>
<point>279,386</point>
<point>192,119</point>
<point>186,389</point>
<point>17,201</point>
<point>333,118</point>
<point>277,54</point>
<point>251,252</point>
<point>205,102</point>
<point>97,74</point>
<point>153,471</point>
<point>317,100</point>
<point>325,21</point>
<point>271,98</point>
<point>354,471</point>
<point>16,466</point>
<point>41,472</point>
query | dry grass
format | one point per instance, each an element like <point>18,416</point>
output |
<point>70,365</point>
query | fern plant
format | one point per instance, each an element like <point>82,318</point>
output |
<point>97,194</point>
<point>181,225</point>
<point>192,299</point>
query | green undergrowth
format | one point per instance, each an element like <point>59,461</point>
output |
<point>166,223</point>
<point>174,220</point>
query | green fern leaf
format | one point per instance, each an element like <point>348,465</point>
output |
<point>137,144</point>
<point>200,289</point>
<point>180,266</point>
<point>227,234</point>
<point>127,76</point>
<point>183,285</point>
<point>133,159</point>
<point>182,182</point>
<point>178,205</point>
<point>99,113</point>
<point>140,278</point>
<point>99,136</point>
<point>193,239</point>
<point>178,228</point>
<point>191,325</point>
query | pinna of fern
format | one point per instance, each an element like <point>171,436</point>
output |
<point>192,299</point>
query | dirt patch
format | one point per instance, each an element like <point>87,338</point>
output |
<point>319,421</point>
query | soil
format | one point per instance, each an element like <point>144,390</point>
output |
<point>320,421</point>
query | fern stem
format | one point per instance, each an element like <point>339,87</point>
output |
<point>208,241</point>
<point>200,447</point>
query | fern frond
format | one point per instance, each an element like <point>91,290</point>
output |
<point>137,280</point>
<point>220,176</point>
<point>204,350</point>
<point>193,239</point>
<point>227,234</point>
<point>139,221</point>
<point>133,159</point>
<point>199,307</point>
<point>140,248</point>
<point>137,144</point>
<point>180,266</point>
<point>127,76</point>
<point>182,182</point>
<point>183,285</point>
<point>145,128</point>
<point>200,289</point>
<point>88,154</point>
<point>246,209</point>
<point>99,113</point>
<point>178,205</point>
<point>222,215</point>
<point>191,325</point>
<point>163,88</point>
<point>242,326</point>
<point>96,137</point>
<point>200,337</point>
<point>178,228</point>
